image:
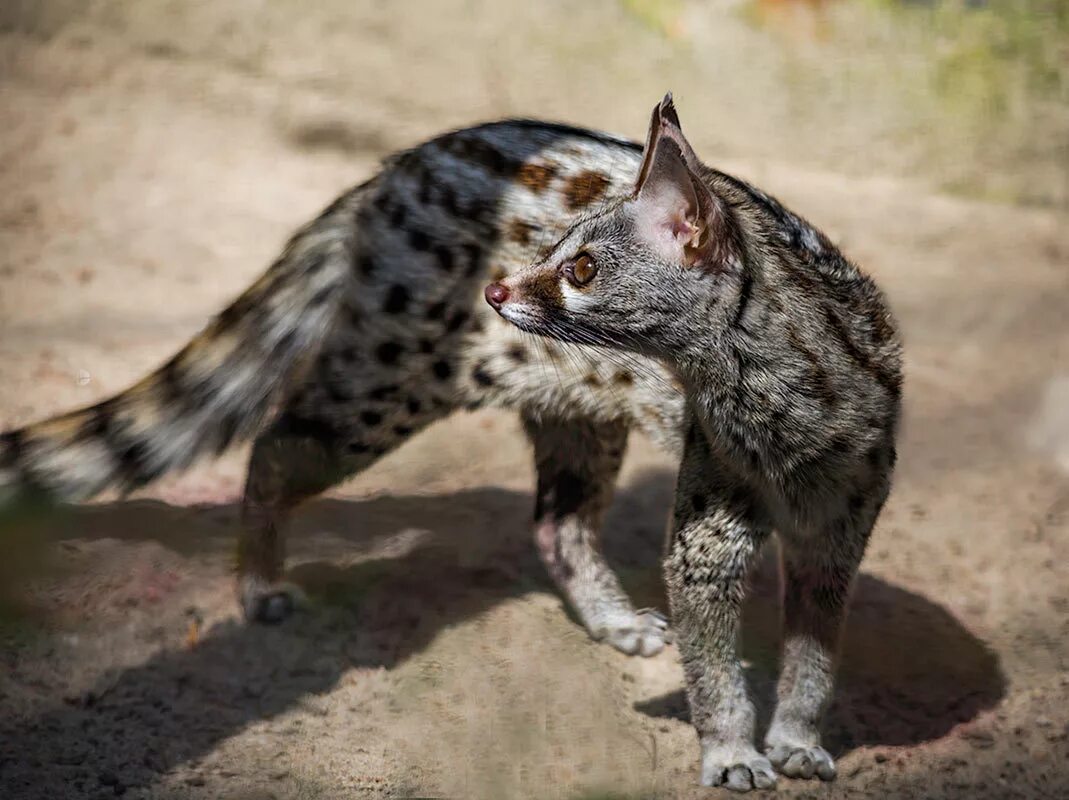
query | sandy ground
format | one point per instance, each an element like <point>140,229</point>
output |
<point>151,164</point>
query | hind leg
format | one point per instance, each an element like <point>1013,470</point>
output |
<point>312,446</point>
<point>577,464</point>
<point>296,458</point>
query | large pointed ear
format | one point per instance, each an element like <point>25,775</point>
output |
<point>664,122</point>
<point>671,129</point>
<point>675,212</point>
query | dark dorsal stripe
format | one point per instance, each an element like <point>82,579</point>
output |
<point>888,380</point>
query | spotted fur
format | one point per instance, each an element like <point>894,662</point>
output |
<point>217,390</point>
<point>792,372</point>
<point>371,326</point>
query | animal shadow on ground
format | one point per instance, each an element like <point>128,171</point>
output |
<point>424,563</point>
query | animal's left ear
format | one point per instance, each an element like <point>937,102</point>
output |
<point>675,211</point>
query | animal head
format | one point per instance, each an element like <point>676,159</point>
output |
<point>626,275</point>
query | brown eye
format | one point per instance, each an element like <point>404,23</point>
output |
<point>581,270</point>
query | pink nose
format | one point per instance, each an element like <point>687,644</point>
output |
<point>496,294</point>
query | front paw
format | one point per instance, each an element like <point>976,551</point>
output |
<point>802,761</point>
<point>645,633</point>
<point>739,771</point>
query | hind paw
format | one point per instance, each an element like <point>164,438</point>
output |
<point>269,603</point>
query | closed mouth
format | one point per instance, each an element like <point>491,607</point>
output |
<point>523,317</point>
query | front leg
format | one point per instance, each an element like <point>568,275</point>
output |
<point>577,464</point>
<point>713,547</point>
<point>817,574</point>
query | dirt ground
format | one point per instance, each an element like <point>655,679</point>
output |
<point>154,157</point>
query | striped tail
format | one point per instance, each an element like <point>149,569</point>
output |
<point>215,392</point>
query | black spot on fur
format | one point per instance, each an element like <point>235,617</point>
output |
<point>692,435</point>
<point>353,317</point>
<point>387,392</point>
<point>396,299</point>
<point>413,405</point>
<point>388,352</point>
<point>130,453</point>
<point>697,502</point>
<point>436,311</point>
<point>742,501</point>
<point>449,202</point>
<point>442,370</point>
<point>425,193</point>
<point>841,445</point>
<point>445,258</point>
<point>172,383</point>
<point>457,320</point>
<point>357,448</point>
<point>517,354</point>
<point>426,346</point>
<point>397,218</point>
<point>321,297</point>
<point>483,213</point>
<point>562,496</point>
<point>418,240</point>
<point>236,311</point>
<point>857,503</point>
<point>484,154</point>
<point>371,418</point>
<point>292,425</point>
<point>474,255</point>
<point>365,263</point>
<point>481,376</point>
<point>402,430</point>
<point>337,389</point>
<point>228,429</point>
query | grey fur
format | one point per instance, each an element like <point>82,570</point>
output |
<point>792,369</point>
<point>371,326</point>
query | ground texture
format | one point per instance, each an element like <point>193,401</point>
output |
<point>153,161</point>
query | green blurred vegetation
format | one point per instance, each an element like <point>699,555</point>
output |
<point>659,15</point>
<point>970,95</point>
<point>999,70</point>
<point>976,92</point>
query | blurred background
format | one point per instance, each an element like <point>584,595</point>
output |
<point>155,155</point>
<point>967,95</point>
